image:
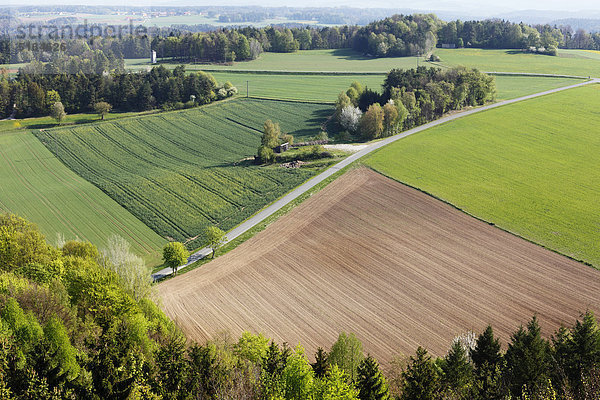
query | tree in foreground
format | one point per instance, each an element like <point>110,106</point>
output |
<point>335,386</point>
<point>102,108</point>
<point>215,238</point>
<point>420,378</point>
<point>487,361</point>
<point>527,359</point>
<point>371,383</point>
<point>269,140</point>
<point>371,123</point>
<point>297,377</point>
<point>271,133</point>
<point>347,354</point>
<point>131,269</point>
<point>320,366</point>
<point>175,255</point>
<point>57,111</point>
<point>458,371</point>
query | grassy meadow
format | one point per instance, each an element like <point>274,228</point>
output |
<point>297,87</point>
<point>181,171</point>
<point>37,186</point>
<point>530,168</point>
<point>568,62</point>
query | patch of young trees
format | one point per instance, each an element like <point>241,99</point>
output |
<point>411,98</point>
<point>398,36</point>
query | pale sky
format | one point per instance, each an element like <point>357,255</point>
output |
<point>473,7</point>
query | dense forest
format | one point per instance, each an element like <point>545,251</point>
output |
<point>83,84</point>
<point>77,322</point>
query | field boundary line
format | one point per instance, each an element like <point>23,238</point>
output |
<point>295,193</point>
<point>481,219</point>
<point>288,100</point>
<point>287,72</point>
<point>534,74</point>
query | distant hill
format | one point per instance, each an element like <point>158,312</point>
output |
<point>547,16</point>
<point>589,25</point>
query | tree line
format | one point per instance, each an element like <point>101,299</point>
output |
<point>499,34</point>
<point>398,35</point>
<point>38,86</point>
<point>410,98</point>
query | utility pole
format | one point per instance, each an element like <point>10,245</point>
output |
<point>247,89</point>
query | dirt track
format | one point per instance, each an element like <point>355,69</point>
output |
<point>389,263</point>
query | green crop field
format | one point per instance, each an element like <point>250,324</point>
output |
<point>37,186</point>
<point>511,87</point>
<point>325,88</point>
<point>575,63</point>
<point>530,168</point>
<point>180,171</point>
<point>49,122</point>
<point>299,87</point>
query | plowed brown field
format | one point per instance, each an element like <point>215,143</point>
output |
<point>398,268</point>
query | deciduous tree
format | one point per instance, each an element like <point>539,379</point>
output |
<point>215,238</point>
<point>102,108</point>
<point>174,255</point>
<point>57,111</point>
<point>347,354</point>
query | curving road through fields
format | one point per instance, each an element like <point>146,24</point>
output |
<point>286,199</point>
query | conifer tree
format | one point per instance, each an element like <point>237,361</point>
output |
<point>371,383</point>
<point>320,366</point>
<point>585,343</point>
<point>458,372</point>
<point>421,380</point>
<point>487,361</point>
<point>527,359</point>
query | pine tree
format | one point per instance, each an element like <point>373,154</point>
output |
<point>487,361</point>
<point>320,366</point>
<point>487,350</point>
<point>527,359</point>
<point>371,383</point>
<point>585,343</point>
<point>421,380</point>
<point>458,372</point>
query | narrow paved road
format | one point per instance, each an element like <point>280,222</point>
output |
<point>277,205</point>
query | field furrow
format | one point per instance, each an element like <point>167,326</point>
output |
<point>395,266</point>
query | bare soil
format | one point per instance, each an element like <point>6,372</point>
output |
<point>393,265</point>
